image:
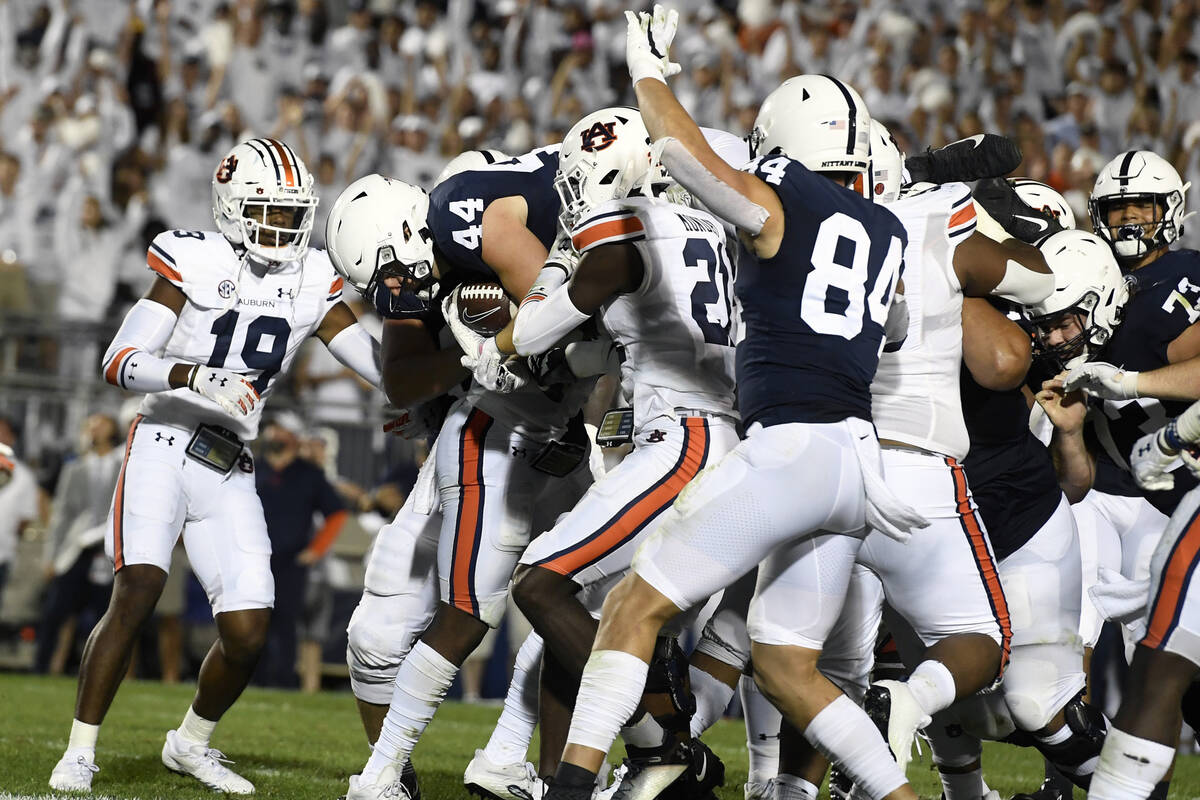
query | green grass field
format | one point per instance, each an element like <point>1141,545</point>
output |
<point>295,746</point>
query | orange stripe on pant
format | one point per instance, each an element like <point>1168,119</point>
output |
<point>1172,590</point>
<point>468,532</point>
<point>630,520</point>
<point>119,501</point>
<point>983,558</point>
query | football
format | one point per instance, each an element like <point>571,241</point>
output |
<point>485,308</point>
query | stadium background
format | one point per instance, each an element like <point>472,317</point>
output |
<point>115,113</point>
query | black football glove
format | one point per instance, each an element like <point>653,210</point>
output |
<point>985,155</point>
<point>1021,220</point>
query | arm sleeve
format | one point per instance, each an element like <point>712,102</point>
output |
<point>129,361</point>
<point>355,348</point>
<point>541,323</point>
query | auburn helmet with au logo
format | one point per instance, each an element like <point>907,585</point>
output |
<point>256,181</point>
<point>604,156</point>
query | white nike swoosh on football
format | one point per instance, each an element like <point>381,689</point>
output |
<point>471,319</point>
<point>1041,223</point>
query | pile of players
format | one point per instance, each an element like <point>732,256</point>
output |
<point>815,354</point>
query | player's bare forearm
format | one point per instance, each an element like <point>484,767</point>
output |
<point>419,378</point>
<point>1073,462</point>
<point>995,349</point>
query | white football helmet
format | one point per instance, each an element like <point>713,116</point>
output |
<point>378,228</point>
<point>1139,175</point>
<point>604,156</point>
<point>816,120</point>
<point>1087,283</point>
<point>472,159</point>
<point>887,164</point>
<point>255,180</point>
<point>1038,195</point>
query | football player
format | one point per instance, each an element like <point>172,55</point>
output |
<point>807,413</point>
<point>499,457</point>
<point>1141,744</point>
<point>659,274</point>
<point>223,320</point>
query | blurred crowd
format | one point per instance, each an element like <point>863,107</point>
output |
<point>116,112</point>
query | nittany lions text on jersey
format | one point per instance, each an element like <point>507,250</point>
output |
<point>239,316</point>
<point>677,330</point>
<point>814,312</point>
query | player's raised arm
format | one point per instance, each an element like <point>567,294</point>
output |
<point>131,361</point>
<point>741,198</point>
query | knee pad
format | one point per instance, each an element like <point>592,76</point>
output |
<point>379,636</point>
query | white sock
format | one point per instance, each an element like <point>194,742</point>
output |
<point>932,685</point>
<point>421,684</point>
<point>83,736</point>
<point>1129,767</point>
<point>793,787</point>
<point>963,785</point>
<point>510,739</point>
<point>762,731</point>
<point>845,734</point>
<point>645,733</point>
<point>609,692</point>
<point>195,728</point>
<point>712,698</point>
<point>1058,737</point>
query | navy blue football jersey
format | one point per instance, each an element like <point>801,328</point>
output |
<point>1164,300</point>
<point>814,312</point>
<point>1010,471</point>
<point>456,206</point>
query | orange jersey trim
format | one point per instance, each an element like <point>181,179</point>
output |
<point>607,229</point>
<point>163,268</point>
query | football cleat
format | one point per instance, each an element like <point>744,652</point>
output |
<point>759,791</point>
<point>688,771</point>
<point>204,764</point>
<point>74,771</point>
<point>519,781</point>
<point>554,792</point>
<point>388,785</point>
<point>1047,791</point>
<point>894,710</point>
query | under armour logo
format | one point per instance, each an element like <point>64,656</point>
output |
<point>599,136</point>
<point>220,381</point>
<point>656,436</point>
<point>170,440</point>
<point>284,293</point>
<point>519,452</point>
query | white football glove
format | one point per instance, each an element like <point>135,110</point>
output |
<point>1191,459</point>
<point>416,422</point>
<point>1150,463</point>
<point>1105,381</point>
<point>231,391</point>
<point>480,355</point>
<point>647,41</point>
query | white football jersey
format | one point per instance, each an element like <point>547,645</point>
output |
<point>678,329</point>
<point>915,397</point>
<point>239,316</point>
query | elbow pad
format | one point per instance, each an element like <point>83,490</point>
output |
<point>358,350</point>
<point>1024,286</point>
<point>130,361</point>
<point>540,324</point>
<point>720,198</point>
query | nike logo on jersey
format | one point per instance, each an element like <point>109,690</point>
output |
<point>1137,758</point>
<point>1041,223</point>
<point>471,319</point>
